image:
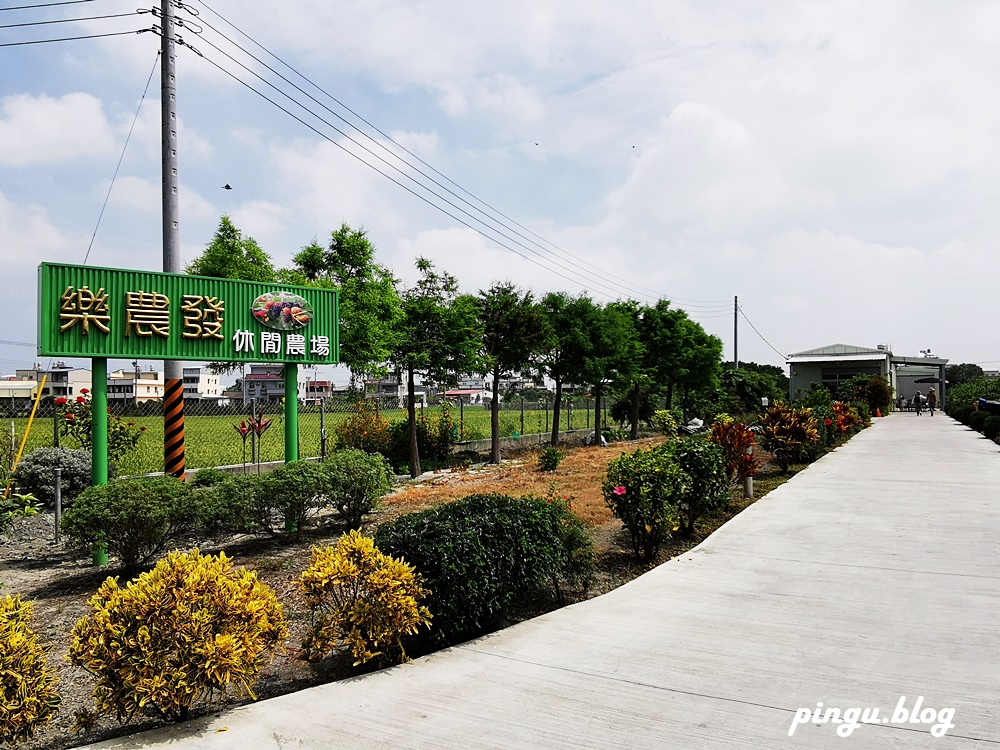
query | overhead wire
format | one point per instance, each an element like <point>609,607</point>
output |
<point>114,177</point>
<point>603,276</point>
<point>45,5</point>
<point>740,308</point>
<point>73,38</point>
<point>70,20</point>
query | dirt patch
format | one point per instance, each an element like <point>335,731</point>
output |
<point>59,581</point>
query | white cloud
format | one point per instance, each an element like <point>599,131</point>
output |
<point>43,130</point>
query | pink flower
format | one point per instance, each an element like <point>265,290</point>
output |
<point>619,490</point>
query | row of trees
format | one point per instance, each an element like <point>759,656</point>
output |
<point>433,332</point>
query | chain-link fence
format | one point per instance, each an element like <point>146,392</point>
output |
<point>225,435</point>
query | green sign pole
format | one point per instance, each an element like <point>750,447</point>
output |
<point>99,423</point>
<point>291,412</point>
<point>99,439</point>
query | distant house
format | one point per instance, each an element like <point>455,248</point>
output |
<point>201,384</point>
<point>837,363</point>
<point>469,396</point>
<point>60,380</point>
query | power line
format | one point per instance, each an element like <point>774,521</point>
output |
<point>70,20</point>
<point>783,356</point>
<point>46,5</point>
<point>73,38</point>
<point>120,158</point>
<point>602,275</point>
<point>5,342</point>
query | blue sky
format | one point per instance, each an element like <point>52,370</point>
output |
<point>835,165</point>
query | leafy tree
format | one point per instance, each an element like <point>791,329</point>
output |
<point>568,345</point>
<point>515,331</point>
<point>369,301</point>
<point>746,387</point>
<point>230,255</point>
<point>963,373</point>
<point>438,337</point>
<point>613,354</point>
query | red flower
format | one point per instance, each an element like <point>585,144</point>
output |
<point>131,424</point>
<point>828,421</point>
<point>85,391</point>
<point>142,429</point>
<point>81,400</point>
<point>60,401</point>
<point>70,418</point>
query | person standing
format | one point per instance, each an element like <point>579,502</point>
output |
<point>917,402</point>
<point>931,400</point>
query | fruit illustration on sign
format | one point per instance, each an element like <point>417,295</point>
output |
<point>282,311</point>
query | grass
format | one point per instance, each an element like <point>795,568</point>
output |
<point>212,441</point>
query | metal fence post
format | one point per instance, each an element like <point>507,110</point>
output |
<point>58,493</point>
<point>322,429</point>
<point>546,414</point>
<point>748,482</point>
<point>522,415</point>
<point>461,419</point>
<point>569,414</point>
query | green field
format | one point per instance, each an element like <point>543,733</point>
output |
<point>212,440</point>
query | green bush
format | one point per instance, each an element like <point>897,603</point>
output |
<point>193,625</point>
<point>788,433</point>
<point>550,458</point>
<point>978,420</point>
<point>613,435</point>
<point>961,413</point>
<point>298,490</point>
<point>135,518</point>
<point>35,474</point>
<point>707,485</point>
<point>665,422</point>
<point>991,427</point>
<point>355,482</point>
<point>479,556</point>
<point>209,477</point>
<point>240,504</point>
<point>643,490</point>
<point>28,696</point>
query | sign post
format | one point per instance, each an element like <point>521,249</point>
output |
<point>109,313</point>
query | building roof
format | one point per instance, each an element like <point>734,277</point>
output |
<point>465,392</point>
<point>839,350</point>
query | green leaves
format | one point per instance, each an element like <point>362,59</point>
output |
<point>28,696</point>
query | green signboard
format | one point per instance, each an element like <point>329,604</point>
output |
<point>120,314</point>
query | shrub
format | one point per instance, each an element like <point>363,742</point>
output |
<point>355,482</point>
<point>665,422</point>
<point>135,518</point>
<point>478,556</point>
<point>961,413</point>
<point>364,429</point>
<point>991,427</point>
<point>849,418</point>
<point>436,434</point>
<point>298,489</point>
<point>643,490</point>
<point>363,599</point>
<point>77,423</point>
<point>28,696</point>
<point>191,626</point>
<point>574,556</point>
<point>788,433</point>
<point>16,507</point>
<point>550,458</point>
<point>613,435</point>
<point>209,477</point>
<point>735,439</point>
<point>978,420</point>
<point>240,504</point>
<point>35,475</point>
<point>707,485</point>
<point>871,390</point>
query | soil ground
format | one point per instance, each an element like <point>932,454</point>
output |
<point>59,581</point>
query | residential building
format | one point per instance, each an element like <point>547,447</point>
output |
<point>135,386</point>
<point>201,384</point>
<point>60,380</point>
<point>267,383</point>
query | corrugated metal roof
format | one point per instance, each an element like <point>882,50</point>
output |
<point>880,356</point>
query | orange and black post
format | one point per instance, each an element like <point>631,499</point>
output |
<point>173,429</point>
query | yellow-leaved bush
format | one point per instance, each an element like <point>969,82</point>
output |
<point>363,599</point>
<point>194,625</point>
<point>28,685</point>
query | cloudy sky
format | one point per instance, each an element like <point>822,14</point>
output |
<point>832,164</point>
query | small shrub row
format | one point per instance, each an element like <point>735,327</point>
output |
<point>366,430</point>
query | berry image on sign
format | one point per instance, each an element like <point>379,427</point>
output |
<point>282,311</point>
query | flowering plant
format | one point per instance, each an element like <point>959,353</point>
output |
<point>78,421</point>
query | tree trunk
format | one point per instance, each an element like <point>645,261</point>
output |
<point>597,413</point>
<point>495,419</point>
<point>634,434</point>
<point>411,418</point>
<point>555,414</point>
<point>670,394</point>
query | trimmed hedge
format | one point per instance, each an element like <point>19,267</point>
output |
<point>478,557</point>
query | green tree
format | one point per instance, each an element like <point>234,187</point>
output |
<point>614,351</point>
<point>568,345</point>
<point>369,302</point>
<point>230,255</point>
<point>438,337</point>
<point>963,373</point>
<point>515,332</point>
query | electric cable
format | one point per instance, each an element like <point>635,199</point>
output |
<point>45,5</point>
<point>740,308</point>
<point>121,158</point>
<point>73,38</point>
<point>69,20</point>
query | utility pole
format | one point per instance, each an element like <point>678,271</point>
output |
<point>736,333</point>
<point>173,370</point>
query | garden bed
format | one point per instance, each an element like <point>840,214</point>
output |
<point>59,581</point>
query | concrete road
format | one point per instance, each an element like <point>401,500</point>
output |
<point>872,576</point>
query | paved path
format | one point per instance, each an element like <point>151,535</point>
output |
<point>874,574</point>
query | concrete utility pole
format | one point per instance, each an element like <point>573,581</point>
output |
<point>173,370</point>
<point>736,333</point>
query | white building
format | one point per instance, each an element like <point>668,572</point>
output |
<point>123,386</point>
<point>267,383</point>
<point>60,380</point>
<point>201,384</point>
